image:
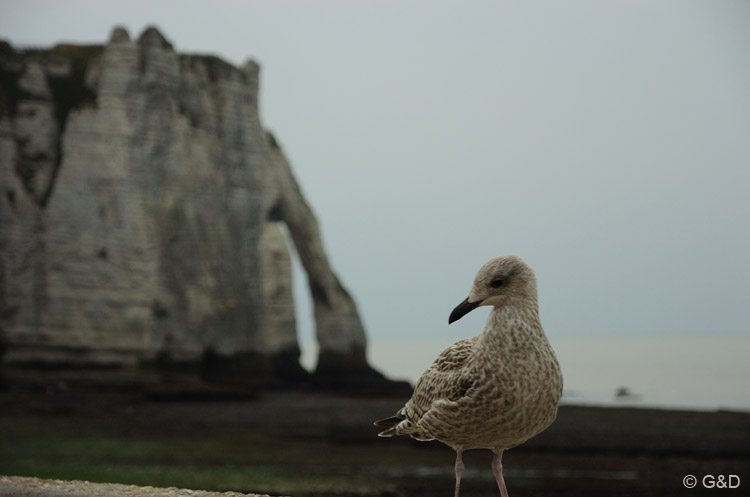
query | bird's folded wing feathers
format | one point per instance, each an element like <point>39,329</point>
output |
<point>392,421</point>
<point>449,378</point>
<point>446,379</point>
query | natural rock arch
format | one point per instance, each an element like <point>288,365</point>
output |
<point>139,219</point>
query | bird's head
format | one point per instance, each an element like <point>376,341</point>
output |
<point>498,283</point>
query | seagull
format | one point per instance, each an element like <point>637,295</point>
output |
<point>493,391</point>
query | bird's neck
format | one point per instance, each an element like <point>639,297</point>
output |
<point>514,322</point>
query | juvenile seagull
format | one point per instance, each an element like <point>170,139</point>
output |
<point>493,391</point>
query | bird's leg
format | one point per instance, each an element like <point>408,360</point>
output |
<point>459,470</point>
<point>497,470</point>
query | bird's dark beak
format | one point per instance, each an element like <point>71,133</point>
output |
<point>463,309</point>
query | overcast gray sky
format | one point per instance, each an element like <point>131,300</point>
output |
<point>607,143</point>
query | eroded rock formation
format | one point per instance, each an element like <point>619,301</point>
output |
<point>139,218</point>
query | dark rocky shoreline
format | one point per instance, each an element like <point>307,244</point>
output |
<point>587,451</point>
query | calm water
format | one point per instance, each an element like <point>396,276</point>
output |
<point>695,372</point>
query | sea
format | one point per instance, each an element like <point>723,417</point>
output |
<point>694,372</point>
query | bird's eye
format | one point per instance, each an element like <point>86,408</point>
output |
<point>496,283</point>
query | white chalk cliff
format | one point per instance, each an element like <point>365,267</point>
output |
<point>140,209</point>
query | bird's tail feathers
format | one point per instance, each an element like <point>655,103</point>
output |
<point>390,432</point>
<point>391,423</point>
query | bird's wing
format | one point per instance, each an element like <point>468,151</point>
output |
<point>447,378</point>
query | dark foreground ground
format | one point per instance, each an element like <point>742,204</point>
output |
<point>308,444</point>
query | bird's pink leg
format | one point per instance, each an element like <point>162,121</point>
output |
<point>459,470</point>
<point>497,470</point>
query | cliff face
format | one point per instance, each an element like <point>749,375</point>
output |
<point>140,207</point>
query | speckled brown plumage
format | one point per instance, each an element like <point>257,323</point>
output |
<point>493,391</point>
